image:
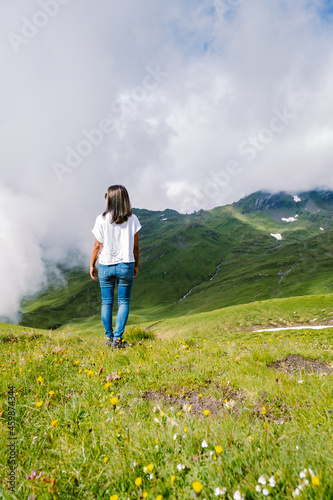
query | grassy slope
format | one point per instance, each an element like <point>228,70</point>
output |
<point>185,250</point>
<point>95,451</point>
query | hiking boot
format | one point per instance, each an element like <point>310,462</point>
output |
<point>120,344</point>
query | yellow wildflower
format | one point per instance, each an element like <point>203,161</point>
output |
<point>218,449</point>
<point>107,385</point>
<point>206,413</point>
<point>144,494</point>
<point>105,459</point>
<point>54,423</point>
<point>40,379</point>
<point>114,401</point>
<point>114,497</point>
<point>197,486</point>
<point>159,497</point>
<point>51,393</point>
<point>39,404</point>
<point>173,479</point>
<point>315,481</point>
<point>138,481</point>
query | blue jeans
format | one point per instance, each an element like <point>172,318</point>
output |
<point>123,275</point>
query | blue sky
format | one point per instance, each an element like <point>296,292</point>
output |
<point>326,10</point>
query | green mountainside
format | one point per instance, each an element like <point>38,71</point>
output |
<point>209,260</point>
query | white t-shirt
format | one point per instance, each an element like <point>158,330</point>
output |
<point>117,239</point>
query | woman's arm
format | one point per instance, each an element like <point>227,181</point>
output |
<point>136,251</point>
<point>96,250</point>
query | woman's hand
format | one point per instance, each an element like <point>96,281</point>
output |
<point>95,253</point>
<point>94,273</point>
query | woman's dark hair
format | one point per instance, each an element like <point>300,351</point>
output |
<point>118,204</point>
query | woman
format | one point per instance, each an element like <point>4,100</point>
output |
<point>116,247</point>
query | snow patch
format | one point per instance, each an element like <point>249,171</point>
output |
<point>318,327</point>
<point>278,236</point>
<point>321,229</point>
<point>290,219</point>
<point>297,198</point>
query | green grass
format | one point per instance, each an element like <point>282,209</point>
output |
<point>96,450</point>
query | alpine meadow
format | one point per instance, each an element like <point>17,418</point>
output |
<point>226,389</point>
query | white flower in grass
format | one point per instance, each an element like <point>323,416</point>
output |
<point>220,491</point>
<point>265,492</point>
<point>303,473</point>
<point>258,489</point>
<point>151,476</point>
<point>296,493</point>
<point>180,467</point>
<point>305,482</point>
<point>272,482</point>
<point>204,444</point>
<point>175,436</point>
<point>311,472</point>
<point>238,495</point>
<point>262,480</point>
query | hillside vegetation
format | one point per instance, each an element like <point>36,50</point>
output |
<point>203,404</point>
<point>199,407</point>
<point>210,259</point>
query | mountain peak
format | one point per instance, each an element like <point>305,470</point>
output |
<point>312,201</point>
